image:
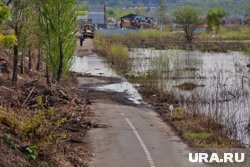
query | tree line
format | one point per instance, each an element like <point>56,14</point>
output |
<point>46,26</point>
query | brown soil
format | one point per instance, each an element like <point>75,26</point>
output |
<point>67,145</point>
<point>188,86</point>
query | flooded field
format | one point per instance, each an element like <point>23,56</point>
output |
<point>216,84</point>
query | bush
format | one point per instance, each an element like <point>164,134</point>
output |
<point>40,126</point>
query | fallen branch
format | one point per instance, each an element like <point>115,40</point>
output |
<point>29,95</point>
<point>7,89</point>
<point>64,95</point>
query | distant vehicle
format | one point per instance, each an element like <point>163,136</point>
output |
<point>87,31</point>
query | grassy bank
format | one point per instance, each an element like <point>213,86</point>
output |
<point>198,129</point>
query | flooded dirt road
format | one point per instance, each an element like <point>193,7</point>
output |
<point>133,134</point>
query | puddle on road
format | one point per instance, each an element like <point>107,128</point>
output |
<point>93,65</point>
<point>98,66</point>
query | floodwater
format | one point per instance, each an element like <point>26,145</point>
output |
<point>98,66</point>
<point>220,83</point>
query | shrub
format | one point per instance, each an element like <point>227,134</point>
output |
<point>40,126</point>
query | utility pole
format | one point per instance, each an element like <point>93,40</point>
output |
<point>162,16</point>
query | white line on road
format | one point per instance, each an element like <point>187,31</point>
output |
<point>139,138</point>
<point>144,147</point>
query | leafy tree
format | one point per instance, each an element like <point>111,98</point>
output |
<point>58,25</point>
<point>17,23</point>
<point>5,40</point>
<point>4,12</point>
<point>214,17</point>
<point>188,17</point>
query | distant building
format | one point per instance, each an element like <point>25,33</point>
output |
<point>96,14</point>
<point>136,21</point>
<point>134,17</point>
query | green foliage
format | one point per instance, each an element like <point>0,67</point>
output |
<point>8,41</point>
<point>33,152</point>
<point>40,127</point>
<point>58,27</point>
<point>200,136</point>
<point>188,17</point>
<point>8,140</point>
<point>214,17</point>
<point>4,12</point>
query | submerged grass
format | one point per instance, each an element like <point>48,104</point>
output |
<point>194,126</point>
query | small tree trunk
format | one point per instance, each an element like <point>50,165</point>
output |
<point>38,60</point>
<point>60,68</point>
<point>22,62</point>
<point>30,58</point>
<point>47,75</point>
<point>15,64</point>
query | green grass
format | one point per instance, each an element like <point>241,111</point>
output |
<point>200,136</point>
<point>228,33</point>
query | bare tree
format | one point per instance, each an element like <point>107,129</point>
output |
<point>17,24</point>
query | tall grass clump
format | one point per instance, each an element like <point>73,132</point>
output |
<point>117,54</point>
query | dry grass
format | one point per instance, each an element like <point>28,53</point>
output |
<point>198,130</point>
<point>117,54</point>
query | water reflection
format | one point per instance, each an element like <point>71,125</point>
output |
<point>220,83</point>
<point>98,66</point>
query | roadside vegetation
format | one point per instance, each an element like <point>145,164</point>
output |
<point>117,54</point>
<point>43,120</point>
